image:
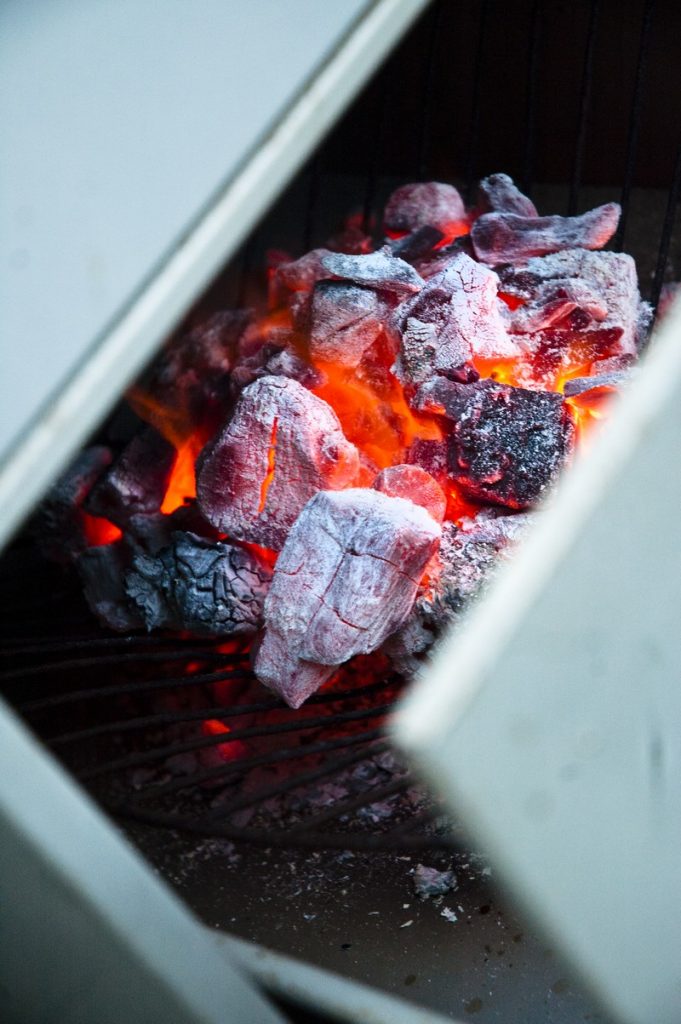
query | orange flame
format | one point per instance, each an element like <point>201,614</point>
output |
<point>231,751</point>
<point>99,531</point>
<point>271,461</point>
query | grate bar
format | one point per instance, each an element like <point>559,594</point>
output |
<point>427,97</point>
<point>584,105</point>
<point>204,742</point>
<point>295,782</point>
<point>220,712</point>
<point>634,121</point>
<point>224,772</point>
<point>474,130</point>
<point>531,106</point>
<point>48,667</point>
<point>667,231</point>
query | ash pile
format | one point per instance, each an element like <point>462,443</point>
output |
<point>341,472</point>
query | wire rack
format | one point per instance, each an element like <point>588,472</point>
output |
<point>127,716</point>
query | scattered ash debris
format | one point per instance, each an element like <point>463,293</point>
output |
<point>430,882</point>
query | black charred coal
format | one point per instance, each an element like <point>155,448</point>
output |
<point>499,194</point>
<point>506,444</point>
<point>102,571</point>
<point>208,588</point>
<point>191,375</point>
<point>469,554</point>
<point>58,525</point>
<point>137,481</point>
<point>418,244</point>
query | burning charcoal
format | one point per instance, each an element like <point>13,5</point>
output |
<point>102,570</point>
<point>137,482</point>
<point>431,882</point>
<point>281,446</point>
<point>507,238</point>
<point>345,321</point>
<point>499,194</point>
<point>380,270</point>
<point>209,588</point>
<point>370,551</point>
<point>416,245</point>
<point>553,301</point>
<point>59,524</point>
<point>455,317</point>
<point>425,203</point>
<point>352,239</point>
<point>469,554</point>
<point>507,444</point>
<point>414,484</point>
<point>610,275</point>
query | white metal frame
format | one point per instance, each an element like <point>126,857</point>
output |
<point>551,720</point>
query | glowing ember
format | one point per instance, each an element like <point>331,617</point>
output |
<point>352,461</point>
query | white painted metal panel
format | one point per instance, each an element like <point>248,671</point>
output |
<point>551,721</point>
<point>141,142</point>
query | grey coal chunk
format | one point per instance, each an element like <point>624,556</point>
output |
<point>425,203</point>
<point>553,301</point>
<point>506,444</point>
<point>370,552</point>
<point>506,237</point>
<point>456,316</point>
<point>102,571</point>
<point>272,360</point>
<point>499,194</point>
<point>416,245</point>
<point>58,523</point>
<point>137,481</point>
<point>208,588</point>
<point>346,320</point>
<point>380,270</point>
<point>597,386</point>
<point>431,882</point>
<point>469,554</point>
<point>610,275</point>
<point>281,446</point>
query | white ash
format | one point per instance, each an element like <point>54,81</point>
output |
<point>207,587</point>
<point>430,882</point>
<point>506,237</point>
<point>424,204</point>
<point>380,270</point>
<point>279,448</point>
<point>370,551</point>
<point>345,320</point>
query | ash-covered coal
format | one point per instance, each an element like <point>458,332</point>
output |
<point>499,194</point>
<point>370,551</point>
<point>209,588</point>
<point>506,237</point>
<point>424,204</point>
<point>281,446</point>
<point>345,321</point>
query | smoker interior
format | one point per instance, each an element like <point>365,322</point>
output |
<point>580,104</point>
